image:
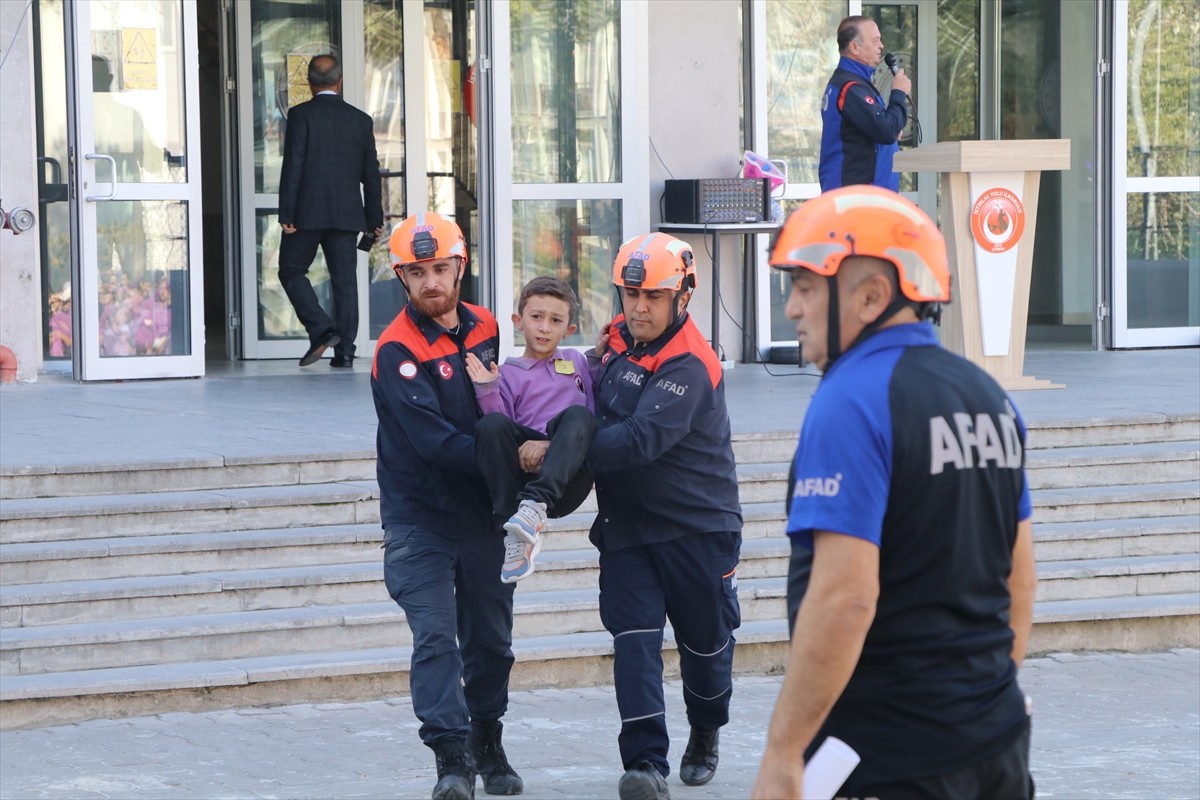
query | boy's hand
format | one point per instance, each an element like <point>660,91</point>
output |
<point>602,340</point>
<point>479,373</point>
<point>531,454</point>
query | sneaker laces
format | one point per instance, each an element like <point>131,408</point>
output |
<point>532,515</point>
<point>514,549</point>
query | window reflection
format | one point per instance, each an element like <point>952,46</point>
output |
<point>284,36</point>
<point>1163,242</point>
<point>276,317</point>
<point>137,90</point>
<point>801,55</point>
<point>958,70</point>
<point>1163,111</point>
<point>143,272</point>
<point>575,240</point>
<point>384,84</point>
<point>566,91</point>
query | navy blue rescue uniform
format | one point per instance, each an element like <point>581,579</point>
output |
<point>668,529</point>
<point>858,130</point>
<point>443,550</point>
<point>921,453</point>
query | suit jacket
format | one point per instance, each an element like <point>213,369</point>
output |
<point>328,151</point>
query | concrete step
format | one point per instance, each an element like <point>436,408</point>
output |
<point>1125,430</point>
<point>1113,538</point>
<point>1117,502</point>
<point>1125,624</point>
<point>218,592</point>
<point>1131,576</point>
<point>185,474</point>
<point>1094,466</point>
<point>1107,465</point>
<point>102,517</point>
<point>559,661</point>
<point>187,553</point>
<point>230,472</point>
<point>242,634</point>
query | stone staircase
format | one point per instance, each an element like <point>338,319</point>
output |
<point>237,582</point>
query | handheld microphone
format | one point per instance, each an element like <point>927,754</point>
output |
<point>890,60</point>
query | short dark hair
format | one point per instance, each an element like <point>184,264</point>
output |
<point>548,286</point>
<point>848,30</point>
<point>324,70</point>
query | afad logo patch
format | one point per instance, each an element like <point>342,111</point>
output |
<point>445,370</point>
<point>408,370</point>
<point>869,99</point>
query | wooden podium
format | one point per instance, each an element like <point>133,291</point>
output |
<point>989,195</point>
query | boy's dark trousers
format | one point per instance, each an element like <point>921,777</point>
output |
<point>562,484</point>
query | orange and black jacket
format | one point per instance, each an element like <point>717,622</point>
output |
<point>662,454</point>
<point>427,412</point>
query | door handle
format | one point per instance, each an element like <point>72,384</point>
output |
<point>112,165</point>
<point>55,191</point>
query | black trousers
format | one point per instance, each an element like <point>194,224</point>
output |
<point>691,581</point>
<point>562,484</point>
<point>296,253</point>
<point>1004,776</point>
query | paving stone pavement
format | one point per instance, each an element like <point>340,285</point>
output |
<point>1105,726</point>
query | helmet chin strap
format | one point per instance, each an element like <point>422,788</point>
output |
<point>897,304</point>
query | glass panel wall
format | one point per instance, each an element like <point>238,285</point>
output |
<point>1162,118</point>
<point>143,308</point>
<point>284,36</point>
<point>801,55</point>
<point>384,91</point>
<point>958,70</point>
<point>54,218</point>
<point>566,91</point>
<point>898,27</point>
<point>575,240</point>
<point>1047,79</point>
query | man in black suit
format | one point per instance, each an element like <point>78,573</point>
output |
<point>328,151</point>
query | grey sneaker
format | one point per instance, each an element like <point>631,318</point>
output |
<point>518,558</point>
<point>528,522</point>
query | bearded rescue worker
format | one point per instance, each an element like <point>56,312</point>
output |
<point>911,583</point>
<point>669,523</point>
<point>443,550</point>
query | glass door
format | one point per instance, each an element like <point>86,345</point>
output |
<point>275,41</point>
<point>136,190</point>
<point>1156,182</point>
<point>793,50</point>
<point>570,106</point>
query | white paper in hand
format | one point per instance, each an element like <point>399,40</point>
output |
<point>828,769</point>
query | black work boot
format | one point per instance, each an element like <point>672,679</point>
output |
<point>643,782</point>
<point>699,762</point>
<point>456,771</point>
<point>488,751</point>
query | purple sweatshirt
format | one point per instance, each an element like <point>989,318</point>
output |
<point>533,391</point>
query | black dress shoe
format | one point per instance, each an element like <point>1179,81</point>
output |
<point>699,762</point>
<point>342,362</point>
<point>327,339</point>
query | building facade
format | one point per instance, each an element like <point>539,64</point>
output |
<point>147,137</point>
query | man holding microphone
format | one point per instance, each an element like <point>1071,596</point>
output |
<point>858,130</point>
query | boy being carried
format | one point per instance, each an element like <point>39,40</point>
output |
<point>537,425</point>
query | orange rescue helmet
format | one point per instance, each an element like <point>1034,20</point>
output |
<point>424,237</point>
<point>655,261</point>
<point>867,221</point>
